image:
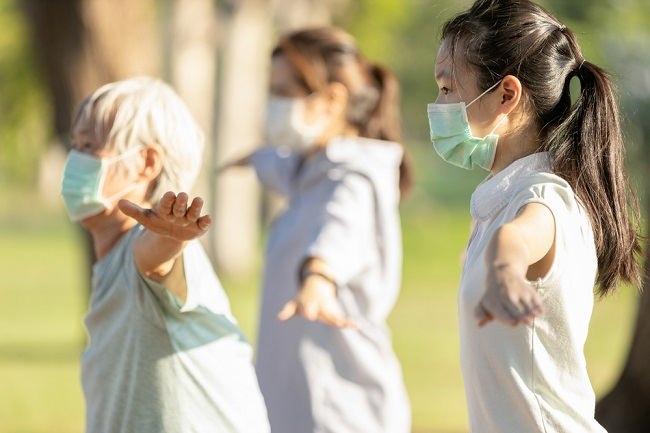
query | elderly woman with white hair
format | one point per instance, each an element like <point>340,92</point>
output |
<point>165,353</point>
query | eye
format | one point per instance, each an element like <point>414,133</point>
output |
<point>444,90</point>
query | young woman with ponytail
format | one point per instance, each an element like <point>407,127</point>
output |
<point>333,258</point>
<point>555,217</point>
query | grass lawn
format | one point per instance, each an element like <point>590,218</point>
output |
<point>43,301</point>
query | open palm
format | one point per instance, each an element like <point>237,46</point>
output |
<point>171,216</point>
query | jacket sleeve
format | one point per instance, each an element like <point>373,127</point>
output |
<point>275,168</point>
<point>345,238</point>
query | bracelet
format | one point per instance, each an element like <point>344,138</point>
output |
<point>323,275</point>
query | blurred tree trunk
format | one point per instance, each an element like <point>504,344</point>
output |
<point>81,44</point>
<point>246,41</point>
<point>190,34</point>
<point>243,67</point>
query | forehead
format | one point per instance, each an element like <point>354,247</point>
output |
<point>450,64</point>
<point>284,78</point>
<point>86,133</point>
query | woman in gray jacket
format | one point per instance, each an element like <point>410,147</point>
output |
<point>333,257</point>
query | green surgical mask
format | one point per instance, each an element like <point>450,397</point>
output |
<point>83,182</point>
<point>453,140</point>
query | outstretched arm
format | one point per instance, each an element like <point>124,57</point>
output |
<point>521,249</point>
<point>316,299</point>
<point>170,224</point>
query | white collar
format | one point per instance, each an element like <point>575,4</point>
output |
<point>491,195</point>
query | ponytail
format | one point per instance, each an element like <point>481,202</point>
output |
<point>384,121</point>
<point>588,151</point>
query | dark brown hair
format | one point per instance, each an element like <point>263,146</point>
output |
<point>319,56</point>
<point>518,37</point>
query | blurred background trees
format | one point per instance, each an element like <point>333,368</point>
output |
<point>216,54</point>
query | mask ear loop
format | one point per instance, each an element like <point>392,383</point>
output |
<point>489,88</point>
<point>127,154</point>
<point>479,96</point>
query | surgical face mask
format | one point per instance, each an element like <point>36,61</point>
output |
<point>83,182</point>
<point>453,140</point>
<point>286,126</point>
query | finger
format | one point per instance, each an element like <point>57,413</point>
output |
<point>204,222</point>
<point>194,211</point>
<point>482,315</point>
<point>533,308</point>
<point>288,311</point>
<point>497,311</point>
<point>535,304</point>
<point>336,320</point>
<point>515,309</point>
<point>134,211</point>
<point>165,204</point>
<point>509,313</point>
<point>179,208</point>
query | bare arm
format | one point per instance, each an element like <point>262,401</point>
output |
<point>170,224</point>
<point>519,250</point>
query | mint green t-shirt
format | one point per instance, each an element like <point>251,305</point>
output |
<point>155,365</point>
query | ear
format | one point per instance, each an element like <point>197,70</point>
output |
<point>511,91</point>
<point>337,97</point>
<point>153,162</point>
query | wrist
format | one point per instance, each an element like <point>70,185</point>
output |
<point>505,267</point>
<point>315,273</point>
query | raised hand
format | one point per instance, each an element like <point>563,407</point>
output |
<point>171,216</point>
<point>316,301</point>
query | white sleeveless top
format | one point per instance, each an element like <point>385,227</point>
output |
<point>530,378</point>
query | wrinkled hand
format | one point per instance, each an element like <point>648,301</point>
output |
<point>509,298</point>
<point>171,216</point>
<point>316,301</point>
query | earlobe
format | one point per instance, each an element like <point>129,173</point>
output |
<point>338,95</point>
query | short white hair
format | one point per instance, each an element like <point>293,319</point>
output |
<point>143,111</point>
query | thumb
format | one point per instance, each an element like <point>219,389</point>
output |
<point>288,311</point>
<point>132,210</point>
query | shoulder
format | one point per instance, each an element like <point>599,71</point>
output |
<point>546,188</point>
<point>359,160</point>
<point>360,151</point>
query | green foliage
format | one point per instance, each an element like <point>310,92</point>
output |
<point>24,122</point>
<point>382,20</point>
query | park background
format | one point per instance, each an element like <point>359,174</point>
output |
<point>215,52</point>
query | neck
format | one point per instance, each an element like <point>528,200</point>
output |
<point>519,143</point>
<point>107,229</point>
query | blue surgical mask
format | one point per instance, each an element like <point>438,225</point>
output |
<point>452,137</point>
<point>83,182</point>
